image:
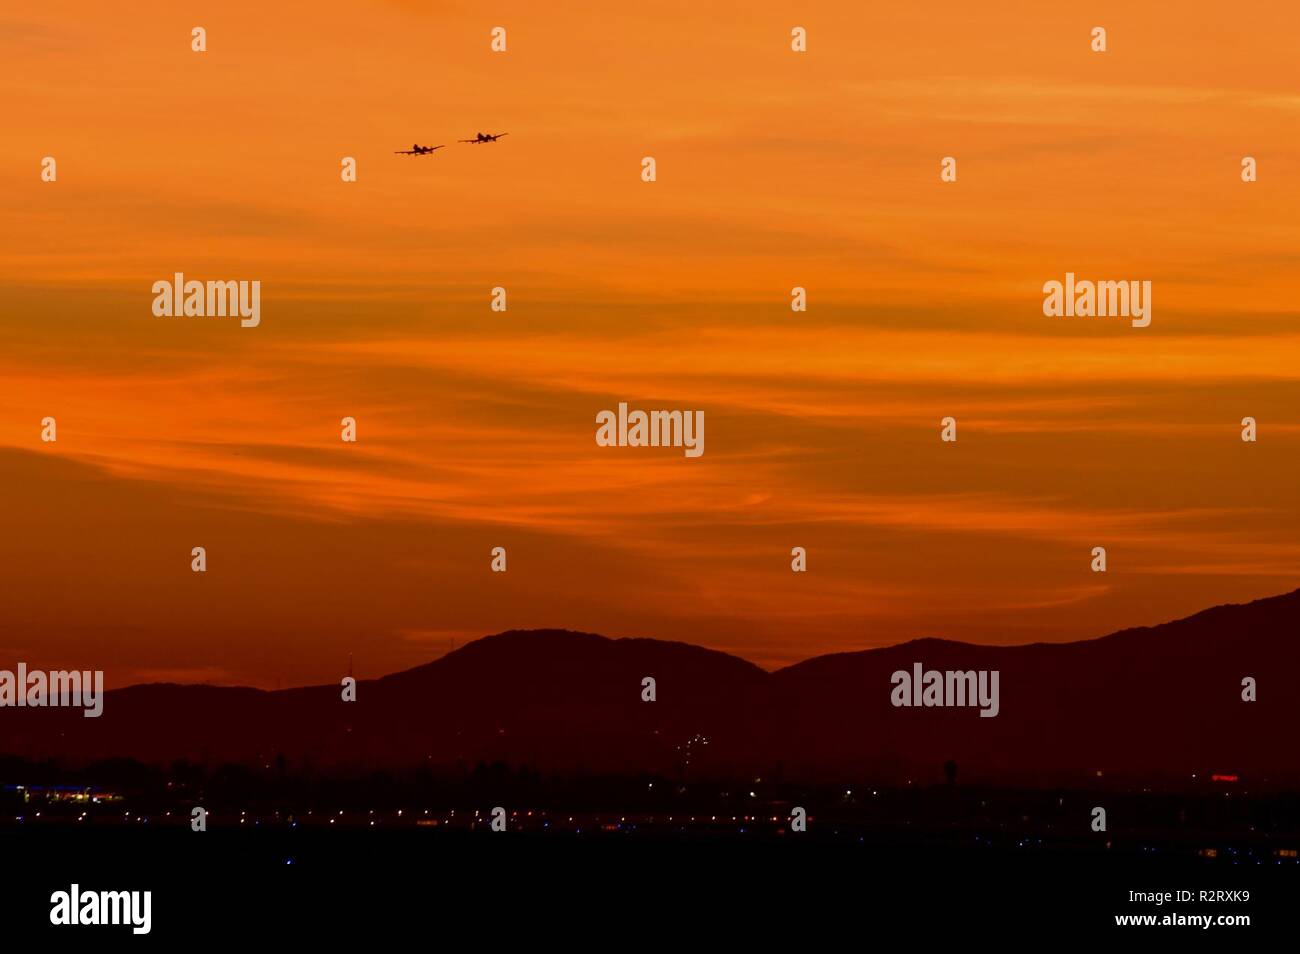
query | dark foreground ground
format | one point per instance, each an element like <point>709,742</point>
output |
<point>288,859</point>
<point>611,889</point>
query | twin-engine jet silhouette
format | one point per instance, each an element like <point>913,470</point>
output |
<point>484,137</point>
<point>417,150</point>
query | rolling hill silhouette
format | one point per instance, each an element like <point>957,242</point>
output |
<point>1163,700</point>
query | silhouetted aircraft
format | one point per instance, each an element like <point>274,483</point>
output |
<point>417,150</point>
<point>484,137</point>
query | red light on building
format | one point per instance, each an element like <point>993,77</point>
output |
<point>1223,778</point>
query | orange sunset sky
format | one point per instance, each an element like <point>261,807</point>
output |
<point>476,428</point>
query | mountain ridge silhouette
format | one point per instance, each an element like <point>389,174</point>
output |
<point>1146,701</point>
